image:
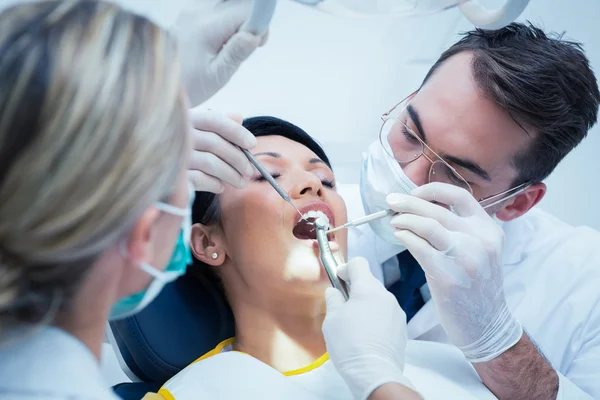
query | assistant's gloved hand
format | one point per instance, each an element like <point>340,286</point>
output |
<point>211,45</point>
<point>366,335</point>
<point>461,254</point>
<point>215,160</point>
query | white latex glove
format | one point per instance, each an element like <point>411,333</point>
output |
<point>211,47</point>
<point>461,254</point>
<point>215,160</point>
<point>365,336</point>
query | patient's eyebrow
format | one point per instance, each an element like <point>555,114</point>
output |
<point>268,153</point>
<point>315,160</point>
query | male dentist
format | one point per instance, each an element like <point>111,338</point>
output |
<point>470,259</point>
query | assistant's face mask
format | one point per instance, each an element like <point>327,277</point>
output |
<point>177,266</point>
<point>381,175</point>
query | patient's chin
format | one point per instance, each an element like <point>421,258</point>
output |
<point>303,265</point>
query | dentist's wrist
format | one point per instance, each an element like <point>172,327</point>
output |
<point>394,391</point>
<point>364,375</point>
<point>500,335</point>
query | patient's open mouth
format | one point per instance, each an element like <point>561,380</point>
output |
<point>304,228</point>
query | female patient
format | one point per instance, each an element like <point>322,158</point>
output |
<point>266,259</point>
<point>255,246</point>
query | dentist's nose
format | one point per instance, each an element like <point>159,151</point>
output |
<point>418,170</point>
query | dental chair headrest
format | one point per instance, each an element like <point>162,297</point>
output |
<point>188,318</point>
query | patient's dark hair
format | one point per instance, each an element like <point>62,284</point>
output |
<point>205,209</point>
<point>544,82</point>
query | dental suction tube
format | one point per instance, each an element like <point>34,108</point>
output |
<point>260,17</point>
<point>327,258</point>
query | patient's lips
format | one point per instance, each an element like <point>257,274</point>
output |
<point>304,228</point>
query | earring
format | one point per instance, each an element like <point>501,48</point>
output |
<point>214,256</point>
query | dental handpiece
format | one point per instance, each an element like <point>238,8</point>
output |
<point>327,258</point>
<point>263,171</point>
<point>363,220</point>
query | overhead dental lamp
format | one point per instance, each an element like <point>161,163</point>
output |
<point>477,14</point>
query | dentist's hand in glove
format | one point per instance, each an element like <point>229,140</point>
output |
<point>366,336</point>
<point>212,46</point>
<point>461,254</point>
<point>215,159</point>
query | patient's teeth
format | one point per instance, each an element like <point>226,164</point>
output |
<point>314,214</point>
<point>321,214</point>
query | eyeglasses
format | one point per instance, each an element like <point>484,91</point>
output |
<point>405,146</point>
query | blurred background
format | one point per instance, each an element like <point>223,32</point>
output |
<point>334,77</point>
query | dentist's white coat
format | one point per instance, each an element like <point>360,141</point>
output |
<point>552,285</point>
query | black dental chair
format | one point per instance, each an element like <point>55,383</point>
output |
<point>189,318</point>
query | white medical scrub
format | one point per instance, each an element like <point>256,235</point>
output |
<point>551,283</point>
<point>437,371</point>
<point>49,364</point>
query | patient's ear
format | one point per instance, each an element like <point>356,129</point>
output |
<point>207,245</point>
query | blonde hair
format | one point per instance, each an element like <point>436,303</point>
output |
<point>93,124</point>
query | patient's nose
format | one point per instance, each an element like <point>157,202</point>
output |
<point>306,184</point>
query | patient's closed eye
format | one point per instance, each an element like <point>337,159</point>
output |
<point>325,182</point>
<point>328,183</point>
<point>260,178</point>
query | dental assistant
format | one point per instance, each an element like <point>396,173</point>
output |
<point>94,190</point>
<point>511,286</point>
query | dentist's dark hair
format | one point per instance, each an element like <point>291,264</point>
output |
<point>205,209</point>
<point>544,82</point>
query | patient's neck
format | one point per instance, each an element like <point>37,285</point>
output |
<point>284,333</point>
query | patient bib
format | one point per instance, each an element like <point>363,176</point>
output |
<point>319,379</point>
<point>438,371</point>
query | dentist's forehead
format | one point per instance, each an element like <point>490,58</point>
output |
<point>462,122</point>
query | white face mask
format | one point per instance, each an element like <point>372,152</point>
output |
<point>380,176</point>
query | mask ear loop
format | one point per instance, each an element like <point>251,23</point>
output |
<point>186,214</point>
<point>177,211</point>
<point>147,268</point>
<point>143,266</point>
<point>171,209</point>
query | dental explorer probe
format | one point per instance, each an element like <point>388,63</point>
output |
<point>326,256</point>
<point>263,171</point>
<point>363,220</point>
